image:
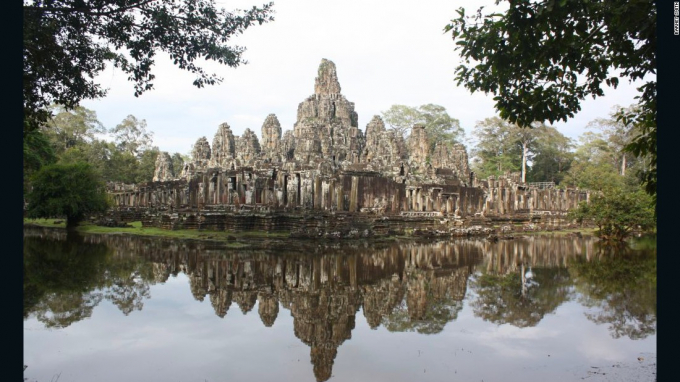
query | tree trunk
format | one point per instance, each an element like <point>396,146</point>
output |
<point>524,162</point>
<point>623,165</point>
<point>72,223</point>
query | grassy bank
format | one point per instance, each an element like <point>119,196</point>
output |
<point>239,239</point>
<point>137,229</point>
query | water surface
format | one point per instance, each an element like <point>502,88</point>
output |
<point>117,308</point>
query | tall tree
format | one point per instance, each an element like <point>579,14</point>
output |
<point>67,43</point>
<point>69,128</point>
<point>594,165</point>
<point>619,135</point>
<point>503,146</point>
<point>552,156</point>
<point>131,136</point>
<point>440,126</point>
<point>147,165</point>
<point>542,58</point>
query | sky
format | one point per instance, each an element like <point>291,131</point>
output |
<point>386,53</point>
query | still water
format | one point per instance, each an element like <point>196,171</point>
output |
<point>117,308</point>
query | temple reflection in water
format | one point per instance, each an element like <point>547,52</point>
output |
<point>400,286</point>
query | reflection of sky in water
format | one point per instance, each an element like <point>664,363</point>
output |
<point>177,338</point>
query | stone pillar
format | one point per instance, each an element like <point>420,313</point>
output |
<point>354,194</point>
<point>318,192</point>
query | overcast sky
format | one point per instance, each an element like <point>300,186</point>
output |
<point>386,53</point>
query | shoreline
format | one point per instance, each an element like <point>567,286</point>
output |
<point>268,240</point>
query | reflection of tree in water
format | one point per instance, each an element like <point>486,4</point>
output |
<point>128,280</point>
<point>61,309</point>
<point>620,284</point>
<point>502,299</point>
<point>128,293</point>
<point>60,277</point>
<point>503,295</point>
<point>65,278</point>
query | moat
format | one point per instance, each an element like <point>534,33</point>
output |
<point>113,308</point>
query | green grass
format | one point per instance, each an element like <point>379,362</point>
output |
<point>137,229</point>
<point>46,222</point>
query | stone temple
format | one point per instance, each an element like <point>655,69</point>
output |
<point>328,178</point>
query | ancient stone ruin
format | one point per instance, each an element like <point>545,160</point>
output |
<point>327,178</point>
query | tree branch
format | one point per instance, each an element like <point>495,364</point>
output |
<point>86,10</point>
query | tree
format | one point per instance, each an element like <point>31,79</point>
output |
<point>131,136</point>
<point>69,128</point>
<point>542,58</point>
<point>67,43</point>
<point>37,153</point>
<point>147,165</point>
<point>70,190</point>
<point>503,146</point>
<point>595,165</point>
<point>440,126</point>
<point>178,161</point>
<point>552,156</point>
<point>616,213</point>
<point>619,136</point>
<point>495,152</point>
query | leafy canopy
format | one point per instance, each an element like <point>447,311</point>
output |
<point>617,213</point>
<point>542,58</point>
<point>71,190</point>
<point>440,126</point>
<point>67,43</point>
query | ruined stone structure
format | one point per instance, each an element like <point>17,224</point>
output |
<point>328,168</point>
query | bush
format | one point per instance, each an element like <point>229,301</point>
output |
<point>617,213</point>
<point>66,190</point>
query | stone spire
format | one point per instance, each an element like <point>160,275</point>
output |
<point>201,151</point>
<point>163,170</point>
<point>418,145</point>
<point>247,146</point>
<point>271,135</point>
<point>327,80</point>
<point>223,147</point>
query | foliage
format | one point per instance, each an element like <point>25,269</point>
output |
<point>596,165</point>
<point>70,128</point>
<point>178,161</point>
<point>617,213</point>
<point>147,165</point>
<point>131,136</point>
<point>38,152</point>
<point>70,190</point>
<point>618,135</point>
<point>542,58</point>
<point>67,43</point>
<point>440,126</point>
<point>503,147</point>
<point>552,157</point>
